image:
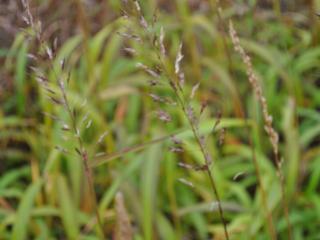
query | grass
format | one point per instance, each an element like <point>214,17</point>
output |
<point>141,190</point>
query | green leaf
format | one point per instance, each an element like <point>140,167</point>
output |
<point>67,209</point>
<point>112,190</point>
<point>13,176</point>
<point>22,217</point>
<point>150,177</point>
<point>21,77</point>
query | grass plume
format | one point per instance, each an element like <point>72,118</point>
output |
<point>62,100</point>
<point>176,79</point>
<point>273,135</point>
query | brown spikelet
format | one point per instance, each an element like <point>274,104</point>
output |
<point>123,228</point>
<point>273,135</point>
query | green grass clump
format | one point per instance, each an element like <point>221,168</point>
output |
<point>112,121</point>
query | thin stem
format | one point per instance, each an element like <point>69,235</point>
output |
<point>267,211</point>
<point>212,182</point>
<point>90,181</point>
<point>217,9</point>
<point>214,188</point>
<point>215,4</point>
<point>284,195</point>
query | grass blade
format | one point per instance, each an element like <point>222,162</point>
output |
<point>24,211</point>
<point>68,213</point>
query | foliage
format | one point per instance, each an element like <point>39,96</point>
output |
<point>138,176</point>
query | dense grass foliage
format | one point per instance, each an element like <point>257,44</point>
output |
<point>113,156</point>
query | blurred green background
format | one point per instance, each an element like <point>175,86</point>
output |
<point>43,192</point>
